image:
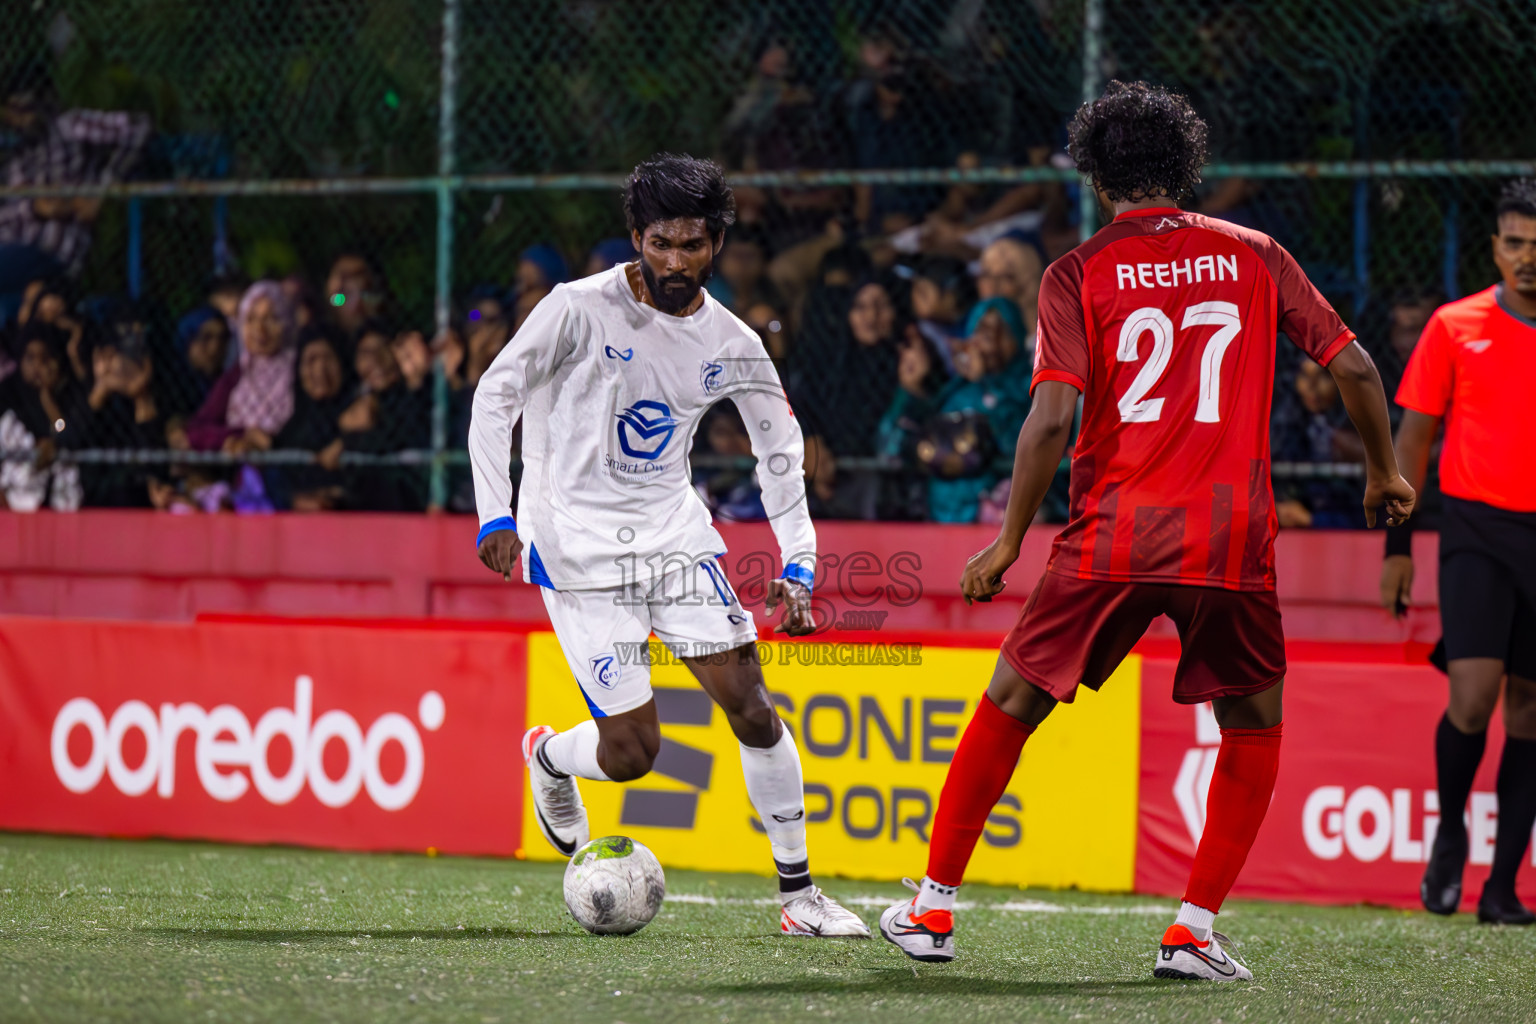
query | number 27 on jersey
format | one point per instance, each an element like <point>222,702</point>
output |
<point>1135,406</point>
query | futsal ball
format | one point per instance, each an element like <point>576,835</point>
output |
<point>614,886</point>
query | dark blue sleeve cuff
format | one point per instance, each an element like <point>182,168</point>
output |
<point>800,574</point>
<point>495,525</point>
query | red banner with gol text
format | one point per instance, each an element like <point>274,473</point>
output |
<point>1355,806</point>
<point>354,738</point>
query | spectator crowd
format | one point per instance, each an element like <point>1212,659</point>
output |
<point>901,320</point>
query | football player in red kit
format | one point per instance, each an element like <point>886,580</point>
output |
<point>1165,323</point>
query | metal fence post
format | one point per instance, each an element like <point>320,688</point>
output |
<point>438,490</point>
<point>1093,26</point>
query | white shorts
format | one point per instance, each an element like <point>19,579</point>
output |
<point>605,634</point>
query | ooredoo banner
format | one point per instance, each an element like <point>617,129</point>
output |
<point>1355,807</point>
<point>356,738</point>
<point>876,725</point>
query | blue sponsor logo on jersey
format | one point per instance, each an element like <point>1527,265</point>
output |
<point>645,428</point>
<point>712,376</point>
<point>606,670</point>
<point>734,619</point>
<point>613,353</point>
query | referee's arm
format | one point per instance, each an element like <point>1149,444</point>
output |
<point>1415,434</point>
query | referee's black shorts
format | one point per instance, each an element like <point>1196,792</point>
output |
<point>1488,584</point>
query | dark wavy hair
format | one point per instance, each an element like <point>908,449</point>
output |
<point>669,186</point>
<point>1519,196</point>
<point>1139,141</point>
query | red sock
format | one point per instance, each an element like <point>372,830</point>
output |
<point>1241,786</point>
<point>983,764</point>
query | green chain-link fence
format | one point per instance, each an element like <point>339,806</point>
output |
<point>440,139</point>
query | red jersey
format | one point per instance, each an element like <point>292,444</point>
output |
<point>1474,365</point>
<point>1166,322</point>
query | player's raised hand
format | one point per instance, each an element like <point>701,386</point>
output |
<point>1395,493</point>
<point>500,552</point>
<point>796,599</point>
<point>983,576</point>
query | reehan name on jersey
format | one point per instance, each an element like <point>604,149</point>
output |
<point>611,391</point>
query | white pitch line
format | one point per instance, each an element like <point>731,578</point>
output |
<point>1009,907</point>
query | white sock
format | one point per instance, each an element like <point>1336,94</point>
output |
<point>777,792</point>
<point>1196,919</point>
<point>933,896</point>
<point>574,752</point>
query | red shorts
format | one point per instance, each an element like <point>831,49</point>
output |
<point>1075,632</point>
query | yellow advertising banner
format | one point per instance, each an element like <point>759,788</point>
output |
<point>876,726</point>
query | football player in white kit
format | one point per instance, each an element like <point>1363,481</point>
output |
<point>611,375</point>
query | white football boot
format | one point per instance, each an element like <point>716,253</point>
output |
<point>929,937</point>
<point>557,805</point>
<point>814,914</point>
<point>1186,955</point>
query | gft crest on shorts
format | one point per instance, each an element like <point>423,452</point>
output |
<point>606,670</point>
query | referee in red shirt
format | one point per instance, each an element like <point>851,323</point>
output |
<point>1473,370</point>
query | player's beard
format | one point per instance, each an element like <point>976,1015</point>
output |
<point>675,292</point>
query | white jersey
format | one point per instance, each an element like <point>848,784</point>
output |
<point>611,391</point>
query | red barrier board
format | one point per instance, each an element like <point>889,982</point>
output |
<point>1355,807</point>
<point>313,735</point>
<point>144,565</point>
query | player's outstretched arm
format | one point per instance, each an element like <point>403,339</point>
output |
<point>528,361</point>
<point>780,450</point>
<point>1360,387</point>
<point>1042,440</point>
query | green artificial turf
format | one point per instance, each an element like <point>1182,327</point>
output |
<point>123,930</point>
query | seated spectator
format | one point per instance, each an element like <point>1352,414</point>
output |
<point>973,216</point>
<point>963,433</point>
<point>125,407</point>
<point>1311,427</point>
<point>485,302</point>
<point>182,488</point>
<point>528,298</point>
<point>852,369</point>
<point>941,290</point>
<point>609,253</point>
<point>391,413</point>
<point>309,310</point>
<point>45,411</point>
<point>540,266</point>
<point>1406,319</point>
<point>315,426</point>
<point>845,370</point>
<point>202,343</point>
<point>252,401</point>
<point>464,363</point>
<point>49,237</point>
<point>778,124</point>
<point>740,279</point>
<point>741,285</point>
<point>354,294</point>
<point>731,492</point>
<point>1011,268</point>
<point>823,306</point>
<point>886,131</point>
<point>224,294</point>
<point>47,302</point>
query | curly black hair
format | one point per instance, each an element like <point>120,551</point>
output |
<point>1139,141</point>
<point>1519,196</point>
<point>669,186</point>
